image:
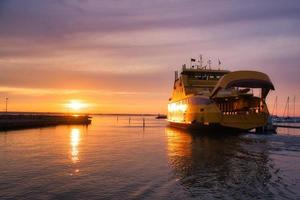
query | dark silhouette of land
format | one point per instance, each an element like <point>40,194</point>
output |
<point>24,121</point>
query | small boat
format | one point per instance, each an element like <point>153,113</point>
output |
<point>160,116</point>
<point>219,100</point>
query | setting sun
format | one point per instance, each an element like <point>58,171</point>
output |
<point>76,105</point>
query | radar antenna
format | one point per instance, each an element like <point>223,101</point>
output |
<point>200,61</point>
<point>209,63</point>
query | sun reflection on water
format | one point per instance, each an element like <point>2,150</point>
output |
<point>75,139</point>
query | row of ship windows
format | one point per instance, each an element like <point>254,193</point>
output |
<point>206,77</point>
<point>195,101</point>
<point>182,105</point>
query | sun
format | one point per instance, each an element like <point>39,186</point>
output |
<point>76,105</point>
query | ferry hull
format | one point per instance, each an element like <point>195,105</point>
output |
<point>214,128</point>
<point>219,101</point>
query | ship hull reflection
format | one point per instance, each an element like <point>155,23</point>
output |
<point>233,165</point>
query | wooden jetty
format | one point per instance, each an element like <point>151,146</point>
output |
<point>21,121</point>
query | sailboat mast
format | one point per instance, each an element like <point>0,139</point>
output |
<point>294,107</point>
<point>276,107</point>
<point>288,107</point>
<point>274,111</point>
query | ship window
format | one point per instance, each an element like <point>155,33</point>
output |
<point>205,76</point>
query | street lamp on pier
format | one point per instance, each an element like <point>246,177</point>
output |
<point>6,101</point>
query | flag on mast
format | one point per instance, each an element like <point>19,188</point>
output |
<point>193,60</point>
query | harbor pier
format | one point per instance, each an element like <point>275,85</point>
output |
<point>23,121</point>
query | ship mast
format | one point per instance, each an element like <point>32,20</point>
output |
<point>200,61</point>
<point>209,64</point>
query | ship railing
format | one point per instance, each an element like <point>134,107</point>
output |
<point>248,112</point>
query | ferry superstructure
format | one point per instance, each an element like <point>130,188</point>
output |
<point>219,100</point>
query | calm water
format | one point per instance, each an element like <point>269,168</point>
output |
<point>112,160</point>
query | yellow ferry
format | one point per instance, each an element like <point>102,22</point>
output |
<point>219,100</point>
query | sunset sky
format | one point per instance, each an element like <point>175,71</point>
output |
<point>118,56</point>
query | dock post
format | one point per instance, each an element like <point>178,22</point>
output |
<point>129,120</point>
<point>6,101</point>
<point>143,122</point>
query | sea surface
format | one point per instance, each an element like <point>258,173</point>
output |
<point>112,159</point>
